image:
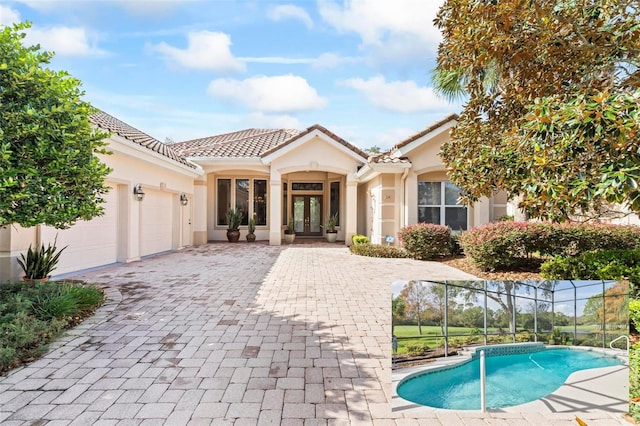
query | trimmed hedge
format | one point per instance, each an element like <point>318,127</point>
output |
<point>426,240</point>
<point>504,245</point>
<point>360,239</point>
<point>377,250</point>
<point>634,313</point>
<point>602,264</point>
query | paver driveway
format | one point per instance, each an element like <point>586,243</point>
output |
<point>231,334</point>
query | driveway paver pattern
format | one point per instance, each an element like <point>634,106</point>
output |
<point>234,334</point>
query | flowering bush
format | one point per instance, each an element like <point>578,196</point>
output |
<point>426,240</point>
<point>503,245</point>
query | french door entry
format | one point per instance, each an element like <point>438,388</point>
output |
<point>307,215</point>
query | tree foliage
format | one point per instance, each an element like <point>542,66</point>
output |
<point>553,101</point>
<point>49,173</point>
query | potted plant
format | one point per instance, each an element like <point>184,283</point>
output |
<point>251,237</point>
<point>234,217</point>
<point>40,262</point>
<point>556,336</point>
<point>290,233</point>
<point>330,229</point>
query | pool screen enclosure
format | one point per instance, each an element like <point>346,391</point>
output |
<point>565,312</point>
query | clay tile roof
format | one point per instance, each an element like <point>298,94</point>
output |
<point>386,158</point>
<point>429,129</point>
<point>323,130</point>
<point>241,144</point>
<point>113,125</point>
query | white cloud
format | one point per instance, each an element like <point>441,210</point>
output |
<point>389,30</point>
<point>272,121</point>
<point>8,16</point>
<point>397,96</point>
<point>277,60</point>
<point>331,60</point>
<point>64,41</point>
<point>206,50</point>
<point>149,8</point>
<point>283,93</point>
<point>285,11</point>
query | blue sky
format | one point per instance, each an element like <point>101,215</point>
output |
<point>188,69</point>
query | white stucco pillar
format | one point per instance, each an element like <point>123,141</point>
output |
<point>135,231</point>
<point>275,209</point>
<point>481,212</point>
<point>411,199</point>
<point>200,211</point>
<point>351,225</point>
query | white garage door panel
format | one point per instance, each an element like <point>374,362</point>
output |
<point>155,223</point>
<point>90,243</point>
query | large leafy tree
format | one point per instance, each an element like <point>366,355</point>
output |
<point>553,105</point>
<point>49,173</point>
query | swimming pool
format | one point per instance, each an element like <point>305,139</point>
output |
<point>512,379</point>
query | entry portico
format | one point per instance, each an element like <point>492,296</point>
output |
<point>277,177</point>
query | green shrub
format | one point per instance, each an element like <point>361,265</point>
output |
<point>504,245</point>
<point>634,313</point>
<point>601,264</point>
<point>32,315</point>
<point>415,349</point>
<point>377,250</point>
<point>426,240</point>
<point>360,239</point>
<point>634,378</point>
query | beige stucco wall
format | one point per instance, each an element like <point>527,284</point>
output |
<point>131,165</point>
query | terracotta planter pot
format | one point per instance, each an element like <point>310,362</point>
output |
<point>35,280</point>
<point>251,237</point>
<point>233,235</point>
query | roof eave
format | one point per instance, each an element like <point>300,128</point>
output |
<point>169,162</point>
<point>285,148</point>
<point>403,150</point>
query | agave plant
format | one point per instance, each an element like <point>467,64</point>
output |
<point>41,261</point>
<point>234,217</point>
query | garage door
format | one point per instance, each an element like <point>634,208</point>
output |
<point>155,223</point>
<point>90,243</point>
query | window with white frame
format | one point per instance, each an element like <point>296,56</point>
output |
<point>438,203</point>
<point>250,199</point>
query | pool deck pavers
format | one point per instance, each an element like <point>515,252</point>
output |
<point>238,334</point>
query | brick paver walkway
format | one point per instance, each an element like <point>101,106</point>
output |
<point>232,334</point>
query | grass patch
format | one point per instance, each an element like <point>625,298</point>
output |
<point>32,315</point>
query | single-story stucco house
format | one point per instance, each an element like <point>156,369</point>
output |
<point>271,175</point>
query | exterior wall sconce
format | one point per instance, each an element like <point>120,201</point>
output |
<point>138,192</point>
<point>183,199</point>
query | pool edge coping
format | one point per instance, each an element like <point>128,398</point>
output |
<point>408,407</point>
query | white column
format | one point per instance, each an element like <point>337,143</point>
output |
<point>351,225</point>
<point>411,199</point>
<point>133,253</point>
<point>481,212</point>
<point>200,211</point>
<point>275,208</point>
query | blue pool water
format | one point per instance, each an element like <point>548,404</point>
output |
<point>511,379</point>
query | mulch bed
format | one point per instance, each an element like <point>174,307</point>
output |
<point>526,272</point>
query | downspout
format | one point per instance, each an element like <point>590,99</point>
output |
<point>403,190</point>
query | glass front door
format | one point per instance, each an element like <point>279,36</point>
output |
<point>307,215</point>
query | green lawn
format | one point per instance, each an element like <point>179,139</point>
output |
<point>408,335</point>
